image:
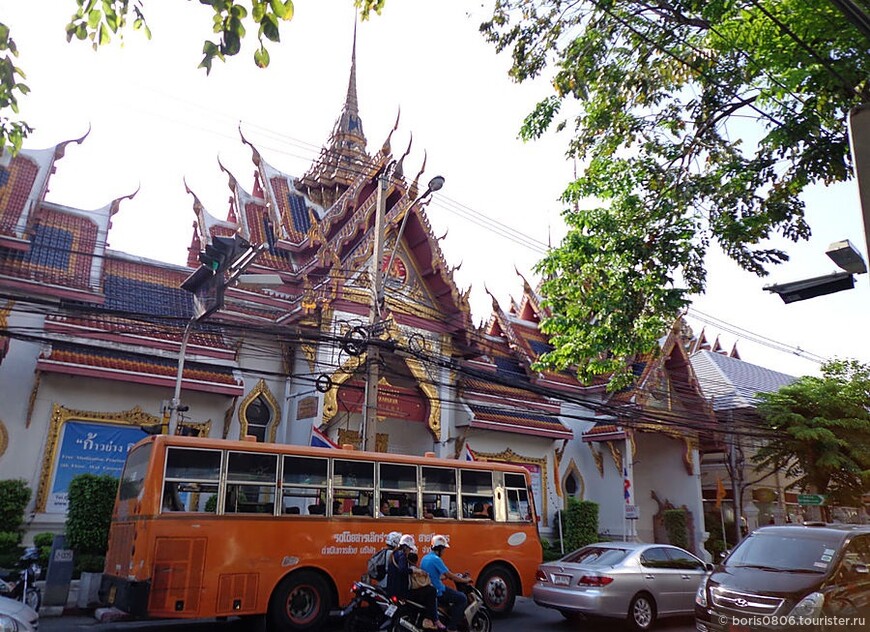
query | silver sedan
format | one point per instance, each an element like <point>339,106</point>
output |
<point>626,580</point>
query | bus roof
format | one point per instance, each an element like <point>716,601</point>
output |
<point>344,453</point>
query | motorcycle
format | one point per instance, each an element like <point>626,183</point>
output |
<point>410,615</point>
<point>370,609</point>
<point>20,583</point>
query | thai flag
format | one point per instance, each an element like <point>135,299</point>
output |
<point>626,486</point>
<point>320,440</point>
<point>469,453</point>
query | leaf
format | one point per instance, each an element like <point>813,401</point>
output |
<point>261,57</point>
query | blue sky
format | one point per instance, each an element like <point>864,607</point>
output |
<point>155,119</point>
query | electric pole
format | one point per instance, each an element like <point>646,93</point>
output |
<point>370,412</point>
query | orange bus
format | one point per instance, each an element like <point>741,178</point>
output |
<point>212,528</point>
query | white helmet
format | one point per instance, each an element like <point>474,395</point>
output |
<point>439,540</point>
<point>408,540</point>
<point>393,538</point>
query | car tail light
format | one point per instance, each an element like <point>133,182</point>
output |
<point>594,580</point>
<point>541,576</point>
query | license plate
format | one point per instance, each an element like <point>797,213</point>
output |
<point>391,610</point>
<point>561,580</point>
<point>112,591</point>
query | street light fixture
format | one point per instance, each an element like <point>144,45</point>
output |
<point>845,255</point>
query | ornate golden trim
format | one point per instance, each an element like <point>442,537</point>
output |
<point>688,455</point>
<point>204,427</point>
<point>351,437</point>
<point>59,416</point>
<point>616,455</point>
<point>310,353</point>
<point>4,439</point>
<point>508,456</point>
<point>573,469</point>
<point>261,389</point>
<point>598,458</point>
<point>31,403</point>
<point>349,368</point>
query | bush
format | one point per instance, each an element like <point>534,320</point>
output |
<point>14,496</point>
<point>43,542</point>
<point>714,544</point>
<point>552,550</point>
<point>676,527</point>
<point>91,499</point>
<point>88,563</point>
<point>9,541</point>
<point>581,524</point>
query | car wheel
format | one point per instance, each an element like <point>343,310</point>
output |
<point>498,589</point>
<point>300,602</point>
<point>642,612</point>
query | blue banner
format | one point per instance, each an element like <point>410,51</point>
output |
<point>89,448</point>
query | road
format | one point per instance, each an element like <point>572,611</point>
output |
<point>527,617</point>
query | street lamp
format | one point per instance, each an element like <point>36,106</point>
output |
<point>845,255</point>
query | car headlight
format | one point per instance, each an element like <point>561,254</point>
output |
<point>701,595</point>
<point>8,624</point>
<point>809,607</point>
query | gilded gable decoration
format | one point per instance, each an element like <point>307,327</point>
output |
<point>616,455</point>
<point>598,458</point>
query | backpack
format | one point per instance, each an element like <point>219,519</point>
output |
<point>377,567</point>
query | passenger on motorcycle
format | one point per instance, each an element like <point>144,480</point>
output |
<point>390,545</point>
<point>399,581</point>
<point>454,600</point>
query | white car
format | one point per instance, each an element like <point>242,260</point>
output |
<point>17,617</point>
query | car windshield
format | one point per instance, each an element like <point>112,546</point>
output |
<point>596,556</point>
<point>784,553</point>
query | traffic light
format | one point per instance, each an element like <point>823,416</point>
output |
<point>207,282</point>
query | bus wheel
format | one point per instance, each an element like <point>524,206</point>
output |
<point>300,602</point>
<point>498,589</point>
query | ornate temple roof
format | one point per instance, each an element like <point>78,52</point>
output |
<point>344,157</point>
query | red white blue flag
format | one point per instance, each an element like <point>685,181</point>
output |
<point>320,440</point>
<point>626,486</point>
<point>469,453</point>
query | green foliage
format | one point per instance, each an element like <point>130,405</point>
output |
<point>88,563</point>
<point>654,96</point>
<point>676,527</point>
<point>43,542</point>
<point>821,432</point>
<point>10,541</point>
<point>551,550</point>
<point>211,504</point>
<point>91,499</point>
<point>14,496</point>
<point>715,544</point>
<point>12,133</point>
<point>581,524</point>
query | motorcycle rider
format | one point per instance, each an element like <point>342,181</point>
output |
<point>399,580</point>
<point>438,572</point>
<point>392,542</point>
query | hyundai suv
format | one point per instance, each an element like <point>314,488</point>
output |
<point>814,576</point>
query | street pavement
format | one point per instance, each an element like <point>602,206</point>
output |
<point>526,617</point>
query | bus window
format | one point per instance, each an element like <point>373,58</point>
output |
<point>191,480</point>
<point>304,489</point>
<point>398,487</point>
<point>519,508</point>
<point>476,488</point>
<point>133,477</point>
<point>353,488</point>
<point>439,492</point>
<point>251,482</point>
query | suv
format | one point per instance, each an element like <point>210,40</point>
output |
<point>790,577</point>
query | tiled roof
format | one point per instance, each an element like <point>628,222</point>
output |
<point>602,430</point>
<point>732,383</point>
<point>519,421</point>
<point>16,181</point>
<point>133,367</point>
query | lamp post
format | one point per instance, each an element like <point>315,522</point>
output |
<point>369,430</point>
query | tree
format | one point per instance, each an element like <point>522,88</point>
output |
<point>656,96</point>
<point>98,21</point>
<point>821,430</point>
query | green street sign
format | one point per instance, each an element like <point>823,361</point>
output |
<point>811,499</point>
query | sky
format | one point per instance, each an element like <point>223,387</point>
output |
<point>157,121</point>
